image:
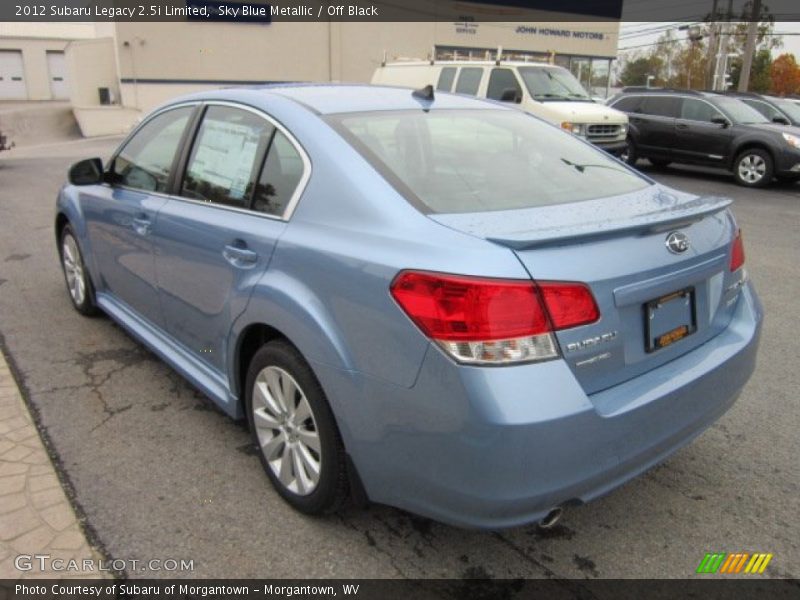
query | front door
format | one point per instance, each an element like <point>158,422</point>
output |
<point>699,140</point>
<point>121,215</point>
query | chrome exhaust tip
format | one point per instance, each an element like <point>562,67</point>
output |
<point>552,518</point>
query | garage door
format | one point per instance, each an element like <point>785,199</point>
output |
<point>57,68</point>
<point>12,76</point>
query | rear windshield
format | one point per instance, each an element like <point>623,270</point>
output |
<point>461,161</point>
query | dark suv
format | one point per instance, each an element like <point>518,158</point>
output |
<point>778,110</point>
<point>705,128</point>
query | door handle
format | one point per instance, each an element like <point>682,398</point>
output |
<point>682,126</point>
<point>141,224</point>
<point>239,255</point>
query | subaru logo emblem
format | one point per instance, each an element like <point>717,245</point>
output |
<point>677,242</point>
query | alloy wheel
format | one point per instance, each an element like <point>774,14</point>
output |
<point>752,168</point>
<point>73,268</point>
<point>287,430</point>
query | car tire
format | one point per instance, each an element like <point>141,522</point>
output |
<point>661,163</point>
<point>629,154</point>
<point>294,430</point>
<point>79,283</point>
<point>753,168</point>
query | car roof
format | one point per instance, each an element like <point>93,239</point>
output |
<point>346,98</point>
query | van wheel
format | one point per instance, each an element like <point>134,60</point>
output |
<point>292,425</point>
<point>629,154</point>
<point>753,168</point>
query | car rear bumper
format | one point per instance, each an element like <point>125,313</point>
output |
<point>500,447</point>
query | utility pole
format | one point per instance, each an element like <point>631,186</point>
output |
<point>750,46</point>
<point>712,47</point>
<point>722,50</point>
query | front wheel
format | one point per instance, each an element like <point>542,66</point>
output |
<point>79,285</point>
<point>293,427</point>
<point>753,168</point>
<point>629,154</point>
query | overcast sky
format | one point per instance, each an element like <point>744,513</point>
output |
<point>639,33</point>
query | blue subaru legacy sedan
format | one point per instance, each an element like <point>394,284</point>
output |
<point>437,303</point>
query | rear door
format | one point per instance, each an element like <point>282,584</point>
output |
<point>654,119</point>
<point>697,139</point>
<point>216,237</point>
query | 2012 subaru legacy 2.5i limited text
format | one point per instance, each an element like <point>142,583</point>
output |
<point>440,304</point>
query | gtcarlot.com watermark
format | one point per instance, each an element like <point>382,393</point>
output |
<point>48,563</point>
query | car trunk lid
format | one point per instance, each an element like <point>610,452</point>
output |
<point>655,304</point>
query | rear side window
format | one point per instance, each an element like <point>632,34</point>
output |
<point>145,161</point>
<point>660,106</point>
<point>446,78</point>
<point>501,80</point>
<point>224,162</point>
<point>469,79</point>
<point>627,104</point>
<point>282,173</point>
<point>697,110</point>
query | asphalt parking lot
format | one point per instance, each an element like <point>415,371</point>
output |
<point>159,473</point>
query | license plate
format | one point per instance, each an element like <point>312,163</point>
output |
<point>669,318</point>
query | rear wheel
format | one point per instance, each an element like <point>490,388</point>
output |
<point>753,168</point>
<point>629,154</point>
<point>293,427</point>
<point>79,285</point>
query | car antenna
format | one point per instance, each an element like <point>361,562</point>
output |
<point>425,93</point>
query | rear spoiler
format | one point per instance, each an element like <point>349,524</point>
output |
<point>576,229</point>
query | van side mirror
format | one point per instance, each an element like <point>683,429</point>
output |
<point>721,121</point>
<point>86,172</point>
<point>511,95</point>
<point>781,120</point>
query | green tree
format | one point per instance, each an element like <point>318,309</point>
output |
<point>636,70</point>
<point>760,78</point>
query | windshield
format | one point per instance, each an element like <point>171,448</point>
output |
<point>791,109</point>
<point>739,112</point>
<point>460,161</point>
<point>552,83</point>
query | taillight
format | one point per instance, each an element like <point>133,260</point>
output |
<point>737,254</point>
<point>484,320</point>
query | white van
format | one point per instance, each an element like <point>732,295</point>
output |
<point>542,89</point>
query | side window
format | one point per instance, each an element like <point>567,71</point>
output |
<point>660,106</point>
<point>501,80</point>
<point>764,108</point>
<point>223,165</point>
<point>697,110</point>
<point>280,177</point>
<point>627,104</point>
<point>469,79</point>
<point>145,161</point>
<point>446,78</point>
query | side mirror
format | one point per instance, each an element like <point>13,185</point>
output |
<point>510,95</point>
<point>781,120</point>
<point>721,121</point>
<point>86,172</point>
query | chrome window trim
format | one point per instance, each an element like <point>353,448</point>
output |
<point>288,211</point>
